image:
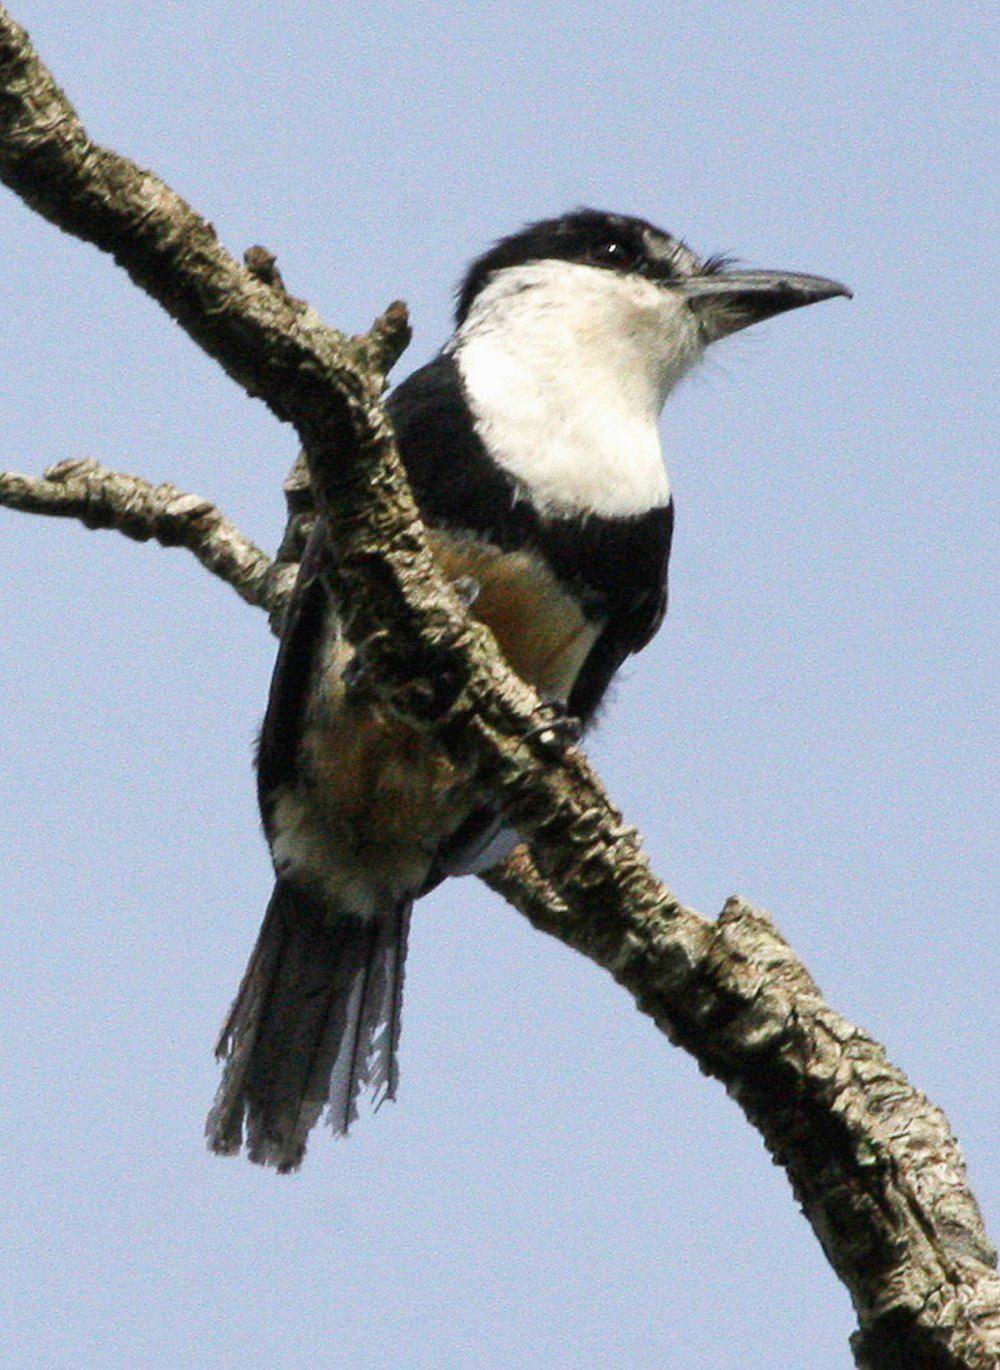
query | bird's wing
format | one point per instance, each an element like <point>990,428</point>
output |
<point>446,477</point>
<point>301,638</point>
<point>637,602</point>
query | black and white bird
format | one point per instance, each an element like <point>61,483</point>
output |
<point>532,445</point>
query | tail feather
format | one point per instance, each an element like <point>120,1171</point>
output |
<point>384,1075</point>
<point>316,1018</point>
<point>350,1068</point>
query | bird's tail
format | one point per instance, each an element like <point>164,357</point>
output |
<point>316,1017</point>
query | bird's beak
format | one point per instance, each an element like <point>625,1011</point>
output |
<point>726,301</point>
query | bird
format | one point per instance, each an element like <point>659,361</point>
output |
<point>532,446</point>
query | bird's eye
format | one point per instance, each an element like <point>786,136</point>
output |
<point>614,253</point>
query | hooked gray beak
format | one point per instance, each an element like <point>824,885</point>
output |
<point>726,301</point>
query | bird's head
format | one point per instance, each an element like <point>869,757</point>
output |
<point>571,334</point>
<point>589,271</point>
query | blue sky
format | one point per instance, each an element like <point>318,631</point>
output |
<point>813,727</point>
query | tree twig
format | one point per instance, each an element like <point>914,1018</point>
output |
<point>100,498</point>
<point>874,1165</point>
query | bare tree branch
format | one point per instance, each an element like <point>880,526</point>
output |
<point>99,498</point>
<point>873,1164</point>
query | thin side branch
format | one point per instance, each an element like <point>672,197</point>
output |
<point>100,498</point>
<point>874,1165</point>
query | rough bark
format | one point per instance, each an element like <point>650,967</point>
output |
<point>872,1162</point>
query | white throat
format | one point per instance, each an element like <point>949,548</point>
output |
<point>566,368</point>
